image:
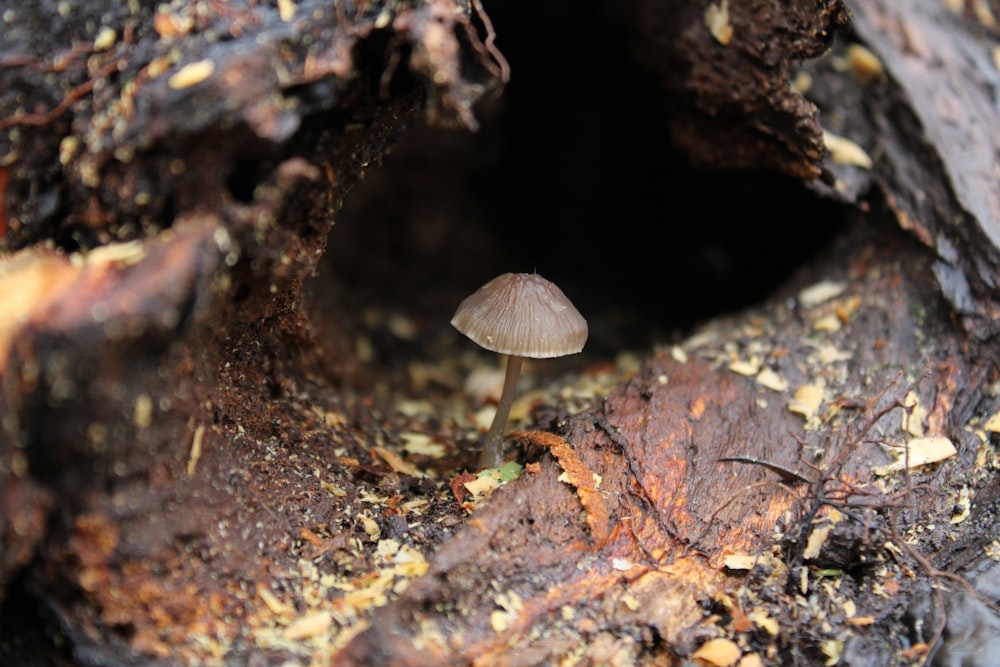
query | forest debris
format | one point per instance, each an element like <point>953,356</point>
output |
<point>579,475</point>
<point>833,649</point>
<point>820,293</point>
<point>720,652</point>
<point>771,380</point>
<point>271,601</point>
<point>191,74</point>
<point>806,402</point>
<point>843,151</point>
<point>747,367</point>
<point>993,423</point>
<point>105,39</point>
<point>486,482</point>
<point>717,20</point>
<point>765,621</point>
<point>821,530</point>
<point>962,505</point>
<point>913,416</point>
<point>312,624</point>
<point>286,10</point>
<point>828,323</point>
<point>396,462</point>
<point>827,354</point>
<point>502,619</point>
<point>739,561</point>
<point>331,419</point>
<point>199,434</point>
<point>142,413</point>
<point>370,526</point>
<point>421,443</point>
<point>921,452</point>
<point>864,65</point>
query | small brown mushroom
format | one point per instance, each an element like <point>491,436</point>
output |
<point>518,315</point>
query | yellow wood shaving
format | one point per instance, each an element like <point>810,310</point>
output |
<point>396,462</point>
<point>963,504</point>
<point>739,561</point>
<point>311,625</point>
<point>192,74</point>
<point>277,607</point>
<point>922,452</point>
<point>821,292</point>
<point>771,380</point>
<point>763,620</point>
<point>717,20</point>
<point>806,401</point>
<point>720,652</point>
<point>843,151</point>
<point>865,65</point>
<point>199,434</point>
<point>748,367</point>
<point>913,420</point>
<point>751,660</point>
<point>286,10</point>
<point>421,443</point>
<point>828,323</point>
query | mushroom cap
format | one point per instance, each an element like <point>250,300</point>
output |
<point>524,315</point>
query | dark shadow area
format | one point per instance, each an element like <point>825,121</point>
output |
<point>573,175</point>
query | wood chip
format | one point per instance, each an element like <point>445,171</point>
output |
<point>191,75</point>
<point>771,380</point>
<point>420,443</point>
<point>719,651</point>
<point>310,625</point>
<point>806,401</point>
<point>922,451</point>
<point>748,367</point>
<point>276,606</point>
<point>199,434</point>
<point>913,418</point>
<point>396,462</point>
<point>821,292</point>
<point>717,21</point>
<point>843,151</point>
<point>865,66</point>
<point>739,561</point>
<point>817,538</point>
<point>765,621</point>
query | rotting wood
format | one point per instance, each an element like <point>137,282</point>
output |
<point>290,540</point>
<point>679,514</point>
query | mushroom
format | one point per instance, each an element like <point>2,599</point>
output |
<point>518,315</point>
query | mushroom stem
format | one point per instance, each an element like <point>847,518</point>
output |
<point>492,449</point>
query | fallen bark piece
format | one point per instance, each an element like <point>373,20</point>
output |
<point>586,482</point>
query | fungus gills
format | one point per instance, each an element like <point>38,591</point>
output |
<point>518,315</point>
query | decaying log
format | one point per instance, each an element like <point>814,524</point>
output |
<point>927,115</point>
<point>203,461</point>
<point>628,550</point>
